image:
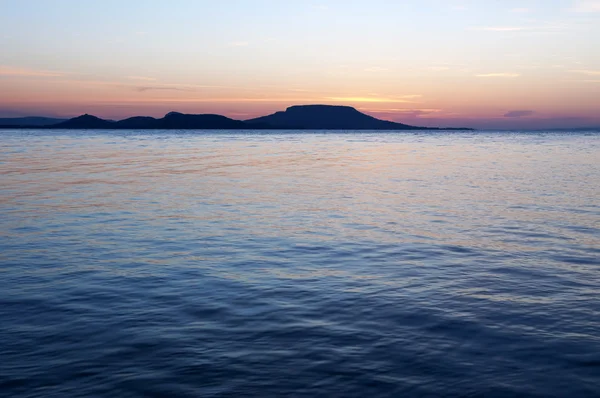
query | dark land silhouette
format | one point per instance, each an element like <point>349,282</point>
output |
<point>29,121</point>
<point>328,117</point>
<point>173,120</point>
<point>298,117</point>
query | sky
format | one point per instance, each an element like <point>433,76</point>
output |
<point>522,64</point>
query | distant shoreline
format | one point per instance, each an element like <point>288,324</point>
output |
<point>19,127</point>
<point>298,117</point>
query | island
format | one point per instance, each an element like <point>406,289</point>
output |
<point>297,117</point>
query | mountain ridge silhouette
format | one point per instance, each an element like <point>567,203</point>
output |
<point>297,117</point>
<point>330,117</point>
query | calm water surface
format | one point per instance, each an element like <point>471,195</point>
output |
<point>257,264</point>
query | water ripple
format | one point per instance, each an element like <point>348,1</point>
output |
<point>299,264</point>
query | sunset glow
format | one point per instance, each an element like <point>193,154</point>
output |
<point>510,64</point>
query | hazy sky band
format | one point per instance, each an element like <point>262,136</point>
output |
<point>479,63</point>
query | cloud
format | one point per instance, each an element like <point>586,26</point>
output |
<point>542,28</point>
<point>402,99</point>
<point>230,100</point>
<point>142,89</point>
<point>498,75</point>
<point>438,68</point>
<point>376,69</point>
<point>143,78</point>
<point>518,113</point>
<point>520,10</point>
<point>238,44</point>
<point>587,6</point>
<point>587,72</point>
<point>405,113</point>
<point>501,28</point>
<point>25,72</point>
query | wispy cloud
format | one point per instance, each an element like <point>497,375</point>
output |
<point>403,111</point>
<point>587,72</point>
<point>518,113</point>
<point>25,72</point>
<point>238,44</point>
<point>533,29</point>
<point>438,68</point>
<point>228,100</point>
<point>402,99</point>
<point>376,69</point>
<point>142,89</point>
<point>500,28</point>
<point>521,10</point>
<point>142,78</point>
<point>587,6</point>
<point>503,74</point>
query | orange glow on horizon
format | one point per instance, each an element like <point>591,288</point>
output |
<point>414,101</point>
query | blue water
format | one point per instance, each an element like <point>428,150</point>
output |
<point>199,264</point>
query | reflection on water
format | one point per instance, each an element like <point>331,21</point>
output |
<point>299,264</point>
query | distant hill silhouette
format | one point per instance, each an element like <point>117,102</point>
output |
<point>329,117</point>
<point>85,122</point>
<point>301,117</point>
<point>137,122</point>
<point>176,120</point>
<point>29,121</point>
<point>173,120</point>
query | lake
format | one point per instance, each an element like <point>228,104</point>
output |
<point>301,264</point>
